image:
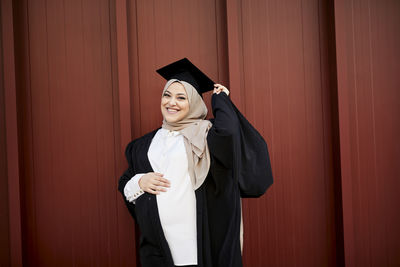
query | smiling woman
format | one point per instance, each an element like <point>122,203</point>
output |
<point>184,182</point>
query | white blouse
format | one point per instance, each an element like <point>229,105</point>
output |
<point>177,206</point>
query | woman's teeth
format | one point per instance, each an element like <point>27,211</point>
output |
<point>170,110</point>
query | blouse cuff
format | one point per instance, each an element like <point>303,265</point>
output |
<point>132,189</point>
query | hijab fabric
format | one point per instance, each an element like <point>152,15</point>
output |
<point>194,129</point>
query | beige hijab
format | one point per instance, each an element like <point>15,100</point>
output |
<point>194,129</point>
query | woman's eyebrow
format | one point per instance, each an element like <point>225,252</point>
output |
<point>166,91</point>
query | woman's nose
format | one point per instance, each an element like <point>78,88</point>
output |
<point>172,101</point>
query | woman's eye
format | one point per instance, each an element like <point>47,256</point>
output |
<point>181,98</point>
<point>166,95</point>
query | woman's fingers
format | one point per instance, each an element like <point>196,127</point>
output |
<point>160,184</point>
<point>218,88</point>
<point>151,191</point>
<point>160,189</point>
<point>164,182</point>
<point>157,189</point>
<point>154,183</point>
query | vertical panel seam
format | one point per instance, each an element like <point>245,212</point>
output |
<point>372,88</point>
<point>373,112</point>
<point>51,167</point>
<point>33,190</point>
<point>84,82</point>
<point>355,103</point>
<point>100,32</point>
<point>241,56</point>
<point>304,74</point>
<point>322,94</point>
<point>216,36</point>
<point>336,145</point>
<point>324,150</point>
<point>113,89</point>
<point>269,81</point>
<point>138,67</point>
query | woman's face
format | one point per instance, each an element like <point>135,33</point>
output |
<point>174,103</point>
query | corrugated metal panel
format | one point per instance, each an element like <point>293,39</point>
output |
<point>4,213</point>
<point>10,225</point>
<point>164,31</point>
<point>285,91</point>
<point>69,183</point>
<point>368,41</point>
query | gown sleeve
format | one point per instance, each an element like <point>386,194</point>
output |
<point>252,162</point>
<point>126,176</point>
<point>221,135</point>
<point>238,146</point>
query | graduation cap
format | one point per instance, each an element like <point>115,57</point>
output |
<point>184,70</point>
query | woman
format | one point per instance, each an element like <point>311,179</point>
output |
<point>183,184</point>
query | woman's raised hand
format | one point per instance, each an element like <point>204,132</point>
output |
<point>154,183</point>
<point>218,88</point>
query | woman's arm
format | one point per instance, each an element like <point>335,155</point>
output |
<point>247,150</point>
<point>226,122</point>
<point>225,127</point>
<point>130,172</point>
<point>132,190</point>
<point>126,176</point>
<point>133,184</point>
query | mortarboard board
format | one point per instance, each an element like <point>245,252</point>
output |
<point>184,70</point>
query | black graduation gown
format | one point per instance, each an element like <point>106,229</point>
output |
<point>239,167</point>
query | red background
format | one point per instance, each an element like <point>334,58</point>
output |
<point>318,79</point>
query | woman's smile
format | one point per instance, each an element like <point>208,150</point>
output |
<point>172,110</point>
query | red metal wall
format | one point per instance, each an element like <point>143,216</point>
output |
<point>10,221</point>
<point>283,82</point>
<point>69,134</point>
<point>4,218</point>
<point>368,58</point>
<point>157,36</point>
<point>317,78</point>
<point>282,85</point>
